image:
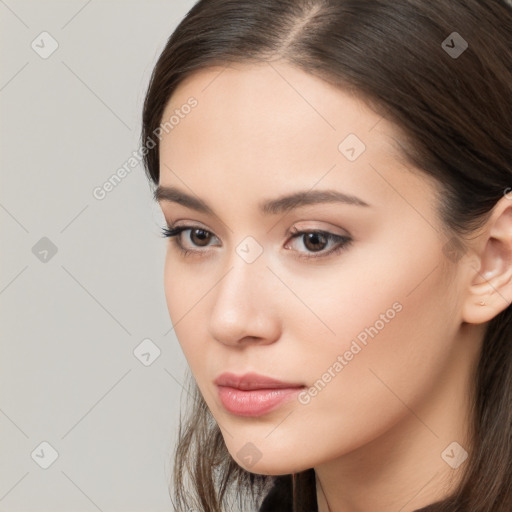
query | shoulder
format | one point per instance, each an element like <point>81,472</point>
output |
<point>279,498</point>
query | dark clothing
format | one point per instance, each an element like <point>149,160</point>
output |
<point>280,496</point>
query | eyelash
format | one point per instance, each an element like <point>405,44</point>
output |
<point>343,241</point>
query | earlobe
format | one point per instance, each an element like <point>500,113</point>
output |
<point>490,289</point>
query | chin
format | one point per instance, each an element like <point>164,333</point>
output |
<point>275,468</point>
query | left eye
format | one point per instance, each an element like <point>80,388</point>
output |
<point>314,239</point>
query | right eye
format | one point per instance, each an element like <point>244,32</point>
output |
<point>200,233</point>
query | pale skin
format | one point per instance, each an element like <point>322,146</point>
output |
<point>376,433</point>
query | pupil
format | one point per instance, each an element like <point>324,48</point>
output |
<point>315,236</point>
<point>202,235</point>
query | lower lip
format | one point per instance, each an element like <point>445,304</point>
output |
<point>255,402</point>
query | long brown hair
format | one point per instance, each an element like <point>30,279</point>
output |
<point>453,105</point>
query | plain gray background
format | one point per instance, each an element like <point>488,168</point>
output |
<point>72,319</point>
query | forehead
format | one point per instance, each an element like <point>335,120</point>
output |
<point>262,125</point>
<point>275,97</point>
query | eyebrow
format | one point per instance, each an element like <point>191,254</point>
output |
<point>275,206</point>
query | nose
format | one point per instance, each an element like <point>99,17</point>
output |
<point>245,305</point>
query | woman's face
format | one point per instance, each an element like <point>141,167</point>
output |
<point>368,330</point>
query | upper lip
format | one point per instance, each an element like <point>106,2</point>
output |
<point>250,381</point>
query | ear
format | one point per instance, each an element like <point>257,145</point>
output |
<point>490,287</point>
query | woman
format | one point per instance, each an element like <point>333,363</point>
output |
<point>335,177</point>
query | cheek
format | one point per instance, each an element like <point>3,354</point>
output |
<point>188,296</point>
<point>385,296</point>
<point>394,330</point>
<point>394,315</point>
<point>181,293</point>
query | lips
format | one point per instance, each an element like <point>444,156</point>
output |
<point>252,381</point>
<point>253,394</point>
